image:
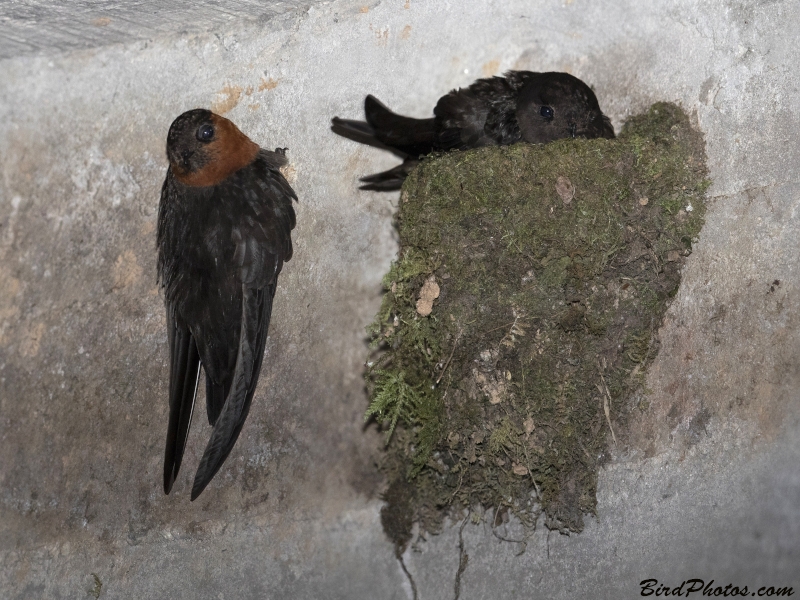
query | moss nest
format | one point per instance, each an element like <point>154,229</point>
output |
<point>521,316</point>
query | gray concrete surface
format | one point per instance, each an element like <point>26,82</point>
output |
<point>45,26</point>
<point>706,483</point>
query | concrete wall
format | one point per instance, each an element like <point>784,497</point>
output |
<point>707,484</point>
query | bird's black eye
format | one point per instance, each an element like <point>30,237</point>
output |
<point>546,112</point>
<point>205,133</point>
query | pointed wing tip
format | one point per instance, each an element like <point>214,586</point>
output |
<point>199,485</point>
<point>372,100</point>
<point>375,187</point>
<point>168,482</point>
<point>210,465</point>
<point>357,131</point>
<point>338,128</point>
<point>169,471</point>
<point>381,182</point>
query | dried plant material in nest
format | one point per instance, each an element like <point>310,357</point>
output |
<point>553,266</point>
<point>428,293</point>
<point>565,189</point>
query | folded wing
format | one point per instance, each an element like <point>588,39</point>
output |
<point>256,313</point>
<point>184,374</point>
<point>261,237</point>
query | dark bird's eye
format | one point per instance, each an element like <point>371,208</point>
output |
<point>205,133</point>
<point>546,112</point>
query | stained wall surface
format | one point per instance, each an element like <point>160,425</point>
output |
<point>706,483</point>
<point>48,26</point>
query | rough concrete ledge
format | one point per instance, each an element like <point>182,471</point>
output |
<point>709,488</point>
<point>49,26</point>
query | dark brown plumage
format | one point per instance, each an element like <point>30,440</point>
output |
<point>224,232</point>
<point>522,106</point>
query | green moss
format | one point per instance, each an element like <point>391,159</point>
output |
<point>98,587</point>
<point>549,310</point>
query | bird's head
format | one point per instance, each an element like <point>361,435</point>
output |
<point>552,106</point>
<point>204,148</point>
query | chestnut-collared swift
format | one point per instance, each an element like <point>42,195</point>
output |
<point>224,231</point>
<point>521,106</point>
